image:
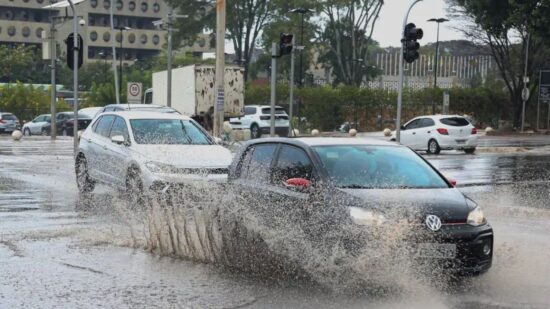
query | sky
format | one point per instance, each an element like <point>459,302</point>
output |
<point>387,30</point>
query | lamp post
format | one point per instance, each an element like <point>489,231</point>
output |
<point>438,21</point>
<point>301,11</point>
<point>104,56</point>
<point>121,29</point>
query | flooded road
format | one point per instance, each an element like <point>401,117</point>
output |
<point>55,256</point>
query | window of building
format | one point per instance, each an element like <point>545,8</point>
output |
<point>93,3</point>
<point>156,39</point>
<point>93,36</point>
<point>131,38</point>
<point>91,21</point>
<point>12,31</point>
<point>39,32</point>
<point>106,36</point>
<point>91,53</point>
<point>143,39</point>
<point>119,5</point>
<point>118,37</point>
<point>106,4</point>
<point>37,17</point>
<point>156,7</point>
<point>131,5</point>
<point>8,14</point>
<point>39,1</point>
<point>24,16</point>
<point>144,6</point>
<point>26,31</point>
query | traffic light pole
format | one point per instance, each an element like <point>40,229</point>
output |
<point>76,41</point>
<point>53,51</point>
<point>400,88</point>
<point>273,87</point>
<point>220,68</point>
<point>290,107</point>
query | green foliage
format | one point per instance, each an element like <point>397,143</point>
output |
<point>22,63</point>
<point>26,102</point>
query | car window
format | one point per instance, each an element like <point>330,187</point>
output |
<point>47,118</point>
<point>413,125</point>
<point>104,125</point>
<point>94,126</point>
<point>38,119</point>
<point>108,109</point>
<point>8,117</point>
<point>256,165</point>
<point>378,167</point>
<point>455,121</point>
<point>249,110</point>
<point>292,162</point>
<point>168,132</point>
<point>426,122</point>
<point>278,110</point>
<point>119,128</point>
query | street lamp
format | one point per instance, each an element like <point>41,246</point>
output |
<point>438,21</point>
<point>301,11</point>
<point>104,56</point>
<point>121,29</point>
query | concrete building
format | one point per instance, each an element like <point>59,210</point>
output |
<point>26,21</point>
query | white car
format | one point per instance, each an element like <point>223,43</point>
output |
<point>440,132</point>
<point>140,151</point>
<point>257,118</point>
<point>37,126</point>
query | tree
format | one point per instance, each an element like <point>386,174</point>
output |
<point>508,28</point>
<point>22,63</point>
<point>347,35</point>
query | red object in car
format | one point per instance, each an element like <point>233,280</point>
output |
<point>452,181</point>
<point>443,131</point>
<point>298,182</point>
<point>2,121</point>
<point>474,131</point>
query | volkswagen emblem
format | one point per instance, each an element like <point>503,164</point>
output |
<point>433,222</point>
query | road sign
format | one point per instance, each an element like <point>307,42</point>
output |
<point>544,87</point>
<point>134,92</point>
<point>525,94</point>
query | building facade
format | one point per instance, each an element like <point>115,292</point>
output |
<point>27,22</point>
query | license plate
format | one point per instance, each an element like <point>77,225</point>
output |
<point>436,251</point>
<point>461,141</point>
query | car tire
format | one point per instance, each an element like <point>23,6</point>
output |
<point>64,132</point>
<point>433,147</point>
<point>83,181</point>
<point>470,150</point>
<point>255,131</point>
<point>134,188</point>
<point>27,132</point>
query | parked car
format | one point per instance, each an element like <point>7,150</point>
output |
<point>65,123</point>
<point>136,107</point>
<point>138,151</point>
<point>90,112</point>
<point>328,186</point>
<point>257,118</point>
<point>37,125</point>
<point>8,123</point>
<point>440,132</point>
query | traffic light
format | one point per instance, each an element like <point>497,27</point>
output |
<point>70,51</point>
<point>285,44</point>
<point>410,36</point>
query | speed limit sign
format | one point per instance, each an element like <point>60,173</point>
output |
<point>134,92</point>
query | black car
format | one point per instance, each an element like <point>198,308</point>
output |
<point>341,190</point>
<point>65,123</point>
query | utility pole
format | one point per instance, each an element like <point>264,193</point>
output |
<point>400,88</point>
<point>290,108</point>
<point>438,21</point>
<point>169,60</point>
<point>525,92</point>
<point>117,86</point>
<point>76,41</point>
<point>273,87</point>
<point>53,64</point>
<point>220,68</point>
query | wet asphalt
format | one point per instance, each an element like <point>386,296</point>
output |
<point>53,255</point>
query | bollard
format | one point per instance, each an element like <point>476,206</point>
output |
<point>16,135</point>
<point>314,132</point>
<point>352,133</point>
<point>387,132</point>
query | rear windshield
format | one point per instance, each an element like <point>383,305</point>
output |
<point>8,117</point>
<point>455,121</point>
<point>278,111</point>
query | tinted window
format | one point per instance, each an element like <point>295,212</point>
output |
<point>278,110</point>
<point>119,128</point>
<point>378,167</point>
<point>292,162</point>
<point>413,125</point>
<point>249,110</point>
<point>258,167</point>
<point>426,122</point>
<point>104,125</point>
<point>47,118</point>
<point>8,117</point>
<point>455,121</point>
<point>108,109</point>
<point>168,132</point>
<point>38,119</point>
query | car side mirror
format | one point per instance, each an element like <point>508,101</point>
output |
<point>118,139</point>
<point>298,184</point>
<point>403,128</point>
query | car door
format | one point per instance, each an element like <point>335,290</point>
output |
<point>118,154</point>
<point>408,134</point>
<point>246,121</point>
<point>424,133</point>
<point>98,155</point>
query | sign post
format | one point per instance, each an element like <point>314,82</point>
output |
<point>544,95</point>
<point>134,92</point>
<point>446,103</point>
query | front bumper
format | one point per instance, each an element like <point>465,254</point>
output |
<point>162,181</point>
<point>457,143</point>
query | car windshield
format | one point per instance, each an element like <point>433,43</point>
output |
<point>278,111</point>
<point>455,121</point>
<point>168,132</point>
<point>377,167</point>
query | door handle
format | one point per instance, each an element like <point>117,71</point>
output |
<point>429,132</point>
<point>414,133</point>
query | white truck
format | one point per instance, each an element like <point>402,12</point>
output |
<point>194,93</point>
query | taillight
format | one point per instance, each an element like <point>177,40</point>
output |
<point>443,131</point>
<point>265,117</point>
<point>2,121</point>
<point>474,131</point>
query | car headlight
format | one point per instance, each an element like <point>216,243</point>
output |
<point>476,217</point>
<point>156,167</point>
<point>362,216</point>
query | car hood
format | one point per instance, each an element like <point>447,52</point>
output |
<point>449,203</point>
<point>186,156</point>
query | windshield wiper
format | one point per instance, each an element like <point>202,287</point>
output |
<point>355,186</point>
